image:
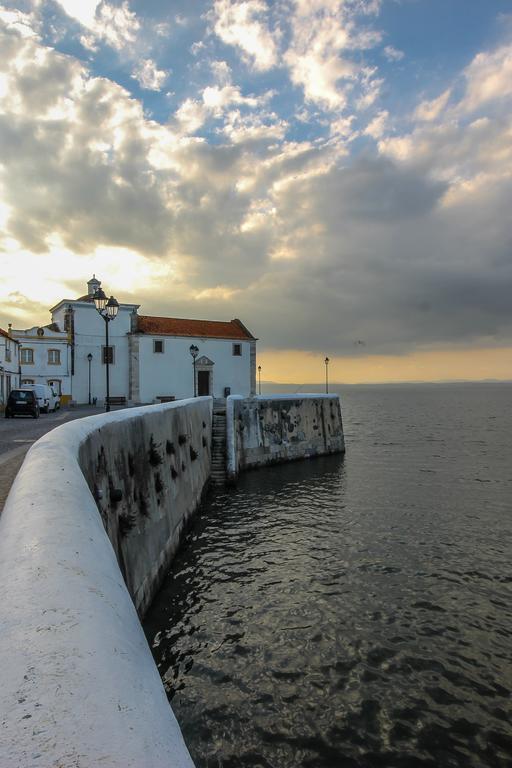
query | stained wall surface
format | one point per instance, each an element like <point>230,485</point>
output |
<point>268,430</point>
<point>147,474</point>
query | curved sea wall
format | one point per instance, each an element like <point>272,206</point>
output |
<point>269,430</point>
<point>79,684</point>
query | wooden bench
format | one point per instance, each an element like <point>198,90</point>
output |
<point>117,400</point>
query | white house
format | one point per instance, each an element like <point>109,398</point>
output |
<point>9,365</point>
<point>149,357</point>
<point>226,359</point>
<point>45,358</point>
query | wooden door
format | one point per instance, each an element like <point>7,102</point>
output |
<point>203,383</point>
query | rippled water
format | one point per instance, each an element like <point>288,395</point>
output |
<point>358,612</point>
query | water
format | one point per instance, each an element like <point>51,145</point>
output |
<point>358,612</point>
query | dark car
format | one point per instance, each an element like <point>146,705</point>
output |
<point>22,402</point>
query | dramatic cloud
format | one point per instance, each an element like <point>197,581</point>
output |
<point>275,181</point>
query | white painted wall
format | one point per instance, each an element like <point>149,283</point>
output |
<point>90,338</point>
<point>41,371</point>
<point>9,366</point>
<point>171,372</point>
<point>79,684</point>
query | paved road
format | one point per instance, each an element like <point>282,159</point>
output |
<point>17,435</point>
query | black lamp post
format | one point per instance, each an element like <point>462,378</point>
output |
<point>194,351</point>
<point>326,361</point>
<point>108,310</point>
<point>259,379</point>
<point>89,359</point>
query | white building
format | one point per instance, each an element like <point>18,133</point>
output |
<point>45,358</point>
<point>9,365</point>
<point>226,359</point>
<point>149,357</point>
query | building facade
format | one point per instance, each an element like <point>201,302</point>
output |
<point>45,358</point>
<point>9,365</point>
<point>149,357</point>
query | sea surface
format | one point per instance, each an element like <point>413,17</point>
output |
<point>355,611</point>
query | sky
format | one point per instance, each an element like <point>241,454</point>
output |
<point>335,173</point>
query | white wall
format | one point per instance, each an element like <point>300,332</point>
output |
<point>90,338</point>
<point>41,371</point>
<point>171,372</point>
<point>79,684</point>
<point>8,368</point>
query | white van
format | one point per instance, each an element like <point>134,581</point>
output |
<point>47,398</point>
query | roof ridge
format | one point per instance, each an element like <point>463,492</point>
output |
<point>187,319</point>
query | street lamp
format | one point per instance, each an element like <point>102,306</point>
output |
<point>89,359</point>
<point>194,351</point>
<point>259,379</point>
<point>108,310</point>
<point>326,361</point>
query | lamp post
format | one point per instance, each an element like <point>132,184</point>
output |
<point>259,379</point>
<point>194,351</point>
<point>89,359</point>
<point>108,310</point>
<point>326,361</point>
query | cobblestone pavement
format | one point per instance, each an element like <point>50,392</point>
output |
<point>17,435</point>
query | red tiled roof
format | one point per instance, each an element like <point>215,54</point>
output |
<point>87,297</point>
<point>4,333</point>
<point>199,329</point>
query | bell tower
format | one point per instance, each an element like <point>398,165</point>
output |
<point>92,285</point>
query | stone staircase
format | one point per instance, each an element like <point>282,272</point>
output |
<point>218,475</point>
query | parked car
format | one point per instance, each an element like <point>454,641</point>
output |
<point>46,397</point>
<point>22,402</point>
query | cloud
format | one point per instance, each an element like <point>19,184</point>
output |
<point>26,24</point>
<point>244,25</point>
<point>115,25</point>
<point>376,127</point>
<point>149,76</point>
<point>431,110</point>
<point>488,78</point>
<point>393,54</point>
<point>80,142</point>
<point>315,242</point>
<point>83,11</point>
<point>323,36</point>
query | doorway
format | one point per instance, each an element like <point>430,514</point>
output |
<point>203,383</point>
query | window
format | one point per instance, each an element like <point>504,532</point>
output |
<point>158,345</point>
<point>27,356</point>
<point>54,357</point>
<point>7,355</point>
<point>237,350</point>
<point>107,355</point>
<point>26,382</point>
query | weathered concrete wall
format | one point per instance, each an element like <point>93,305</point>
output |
<point>79,684</point>
<point>268,430</point>
<point>147,475</point>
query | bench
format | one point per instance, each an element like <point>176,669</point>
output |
<point>166,398</point>
<point>117,400</point>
